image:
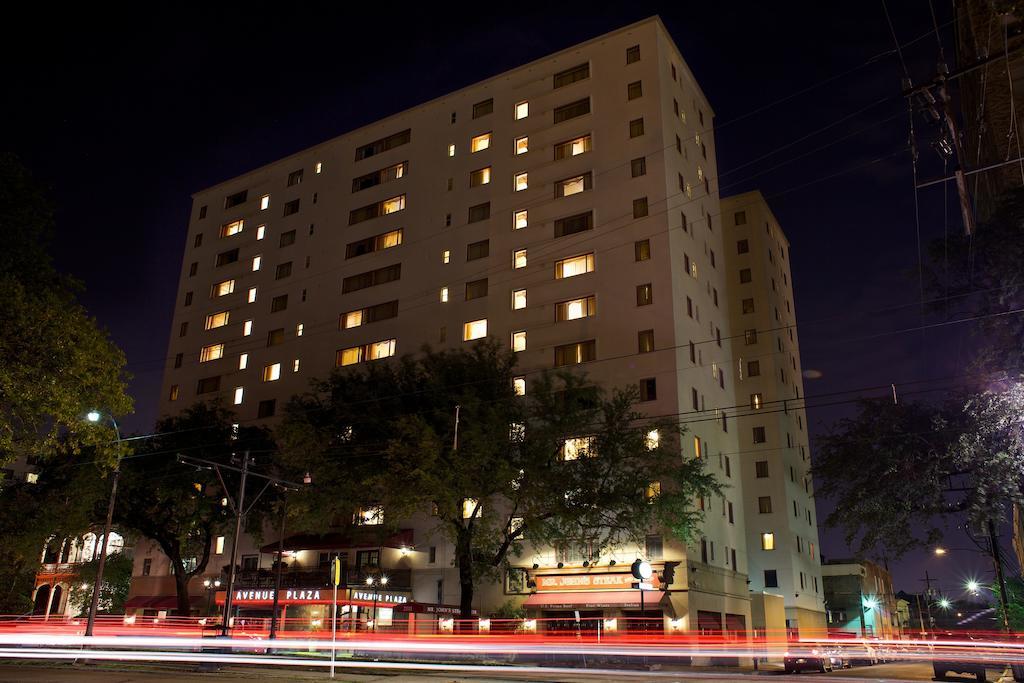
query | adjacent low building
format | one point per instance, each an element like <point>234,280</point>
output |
<point>859,600</point>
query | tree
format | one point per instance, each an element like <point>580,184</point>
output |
<point>117,577</point>
<point>898,473</point>
<point>500,476</point>
<point>55,362</point>
<point>177,506</point>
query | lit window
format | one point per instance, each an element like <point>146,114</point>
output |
<point>451,150</point>
<point>521,219</point>
<point>481,176</point>
<point>246,328</point>
<point>519,385</point>
<point>215,320</point>
<point>519,258</point>
<point>272,373</point>
<point>471,506</point>
<point>522,145</point>
<point>261,232</point>
<point>756,401</point>
<point>578,447</point>
<point>243,361</point>
<point>224,288</point>
<point>295,365</point>
<point>480,142</point>
<point>211,352</point>
<point>577,265</point>
<point>652,439</point>
<point>518,299</point>
<point>575,309</point>
<point>522,110</point>
<point>257,261</point>
<point>446,256</point>
<point>232,228</point>
<point>239,392</point>
<point>573,185</point>
<point>350,356</point>
<point>444,295</point>
<point>522,181</point>
<point>381,349</point>
<point>220,546</point>
<point>392,205</point>
<point>653,491</point>
<point>476,329</point>
<point>252,295</point>
<point>318,167</point>
<point>353,319</point>
<point>700,174</point>
<point>31,478</point>
<point>767,541</point>
<point>371,515</point>
<point>299,329</point>
<point>519,341</point>
<point>264,202</point>
<point>696,439</point>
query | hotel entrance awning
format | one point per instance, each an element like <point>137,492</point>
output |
<point>595,599</point>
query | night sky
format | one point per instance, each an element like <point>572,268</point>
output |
<point>123,117</point>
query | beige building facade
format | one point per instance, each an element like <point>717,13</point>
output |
<point>568,208</point>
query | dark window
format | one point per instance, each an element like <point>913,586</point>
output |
<point>480,212</point>
<point>476,289</point>
<point>275,337</point>
<point>235,199</point>
<point>632,54</point>
<point>147,566</point>
<point>369,245</point>
<point>365,213</point>
<point>266,408</point>
<point>745,276</point>
<point>177,359</point>
<point>574,185</point>
<point>759,435</point>
<point>432,554</point>
<point>640,207</point>
<point>638,167</point>
<point>679,145</point>
<point>283,270</point>
<point>573,224</point>
<point>371,278</point>
<point>761,467</point>
<point>477,250</point>
<point>183,330</point>
<point>673,71</point>
<point>645,341</point>
<point>287,239</point>
<point>654,547</point>
<point>572,354</point>
<point>576,73</point>
<point>483,108</point>
<point>226,257</point>
<point>198,241</point>
<point>383,175</point>
<point>384,144</point>
<point>572,110</point>
<point>748,305</point>
<point>208,385</point>
<point>642,250</point>
<point>636,128</point>
<point>704,550</point>
<point>295,177</point>
<point>740,218</point>
<point>377,312</point>
<point>732,520</point>
<point>279,303</point>
<point>648,389</point>
<point>771,578</point>
<point>291,207</point>
<point>202,212</point>
<point>644,295</point>
<point>188,298</point>
<point>764,505</point>
<point>635,90</point>
<point>742,246</point>
<point>750,337</point>
<point>753,368</point>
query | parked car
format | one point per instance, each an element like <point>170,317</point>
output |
<point>817,659</point>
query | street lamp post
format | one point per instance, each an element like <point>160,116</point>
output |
<point>95,416</point>
<point>211,587</point>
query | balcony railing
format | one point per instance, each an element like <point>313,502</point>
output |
<point>304,578</point>
<point>58,568</point>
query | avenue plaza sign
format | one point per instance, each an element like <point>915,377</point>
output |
<point>312,596</point>
<point>582,582</point>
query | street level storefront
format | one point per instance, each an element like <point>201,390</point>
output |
<point>607,601</point>
<point>309,609</point>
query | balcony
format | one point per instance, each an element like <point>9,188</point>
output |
<point>398,579</point>
<point>58,569</point>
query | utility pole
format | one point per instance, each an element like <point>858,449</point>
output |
<point>277,572</point>
<point>1004,602</point>
<point>239,513</point>
<point>928,598</point>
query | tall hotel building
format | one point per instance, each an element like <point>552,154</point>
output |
<point>568,208</point>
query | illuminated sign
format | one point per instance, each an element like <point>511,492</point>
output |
<point>311,595</point>
<point>569,582</point>
<point>380,597</point>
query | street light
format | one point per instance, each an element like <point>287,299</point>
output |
<point>940,551</point>
<point>972,586</point>
<point>211,587</point>
<point>95,416</point>
<point>944,603</point>
<point>380,582</point>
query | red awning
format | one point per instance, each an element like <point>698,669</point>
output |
<point>593,599</point>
